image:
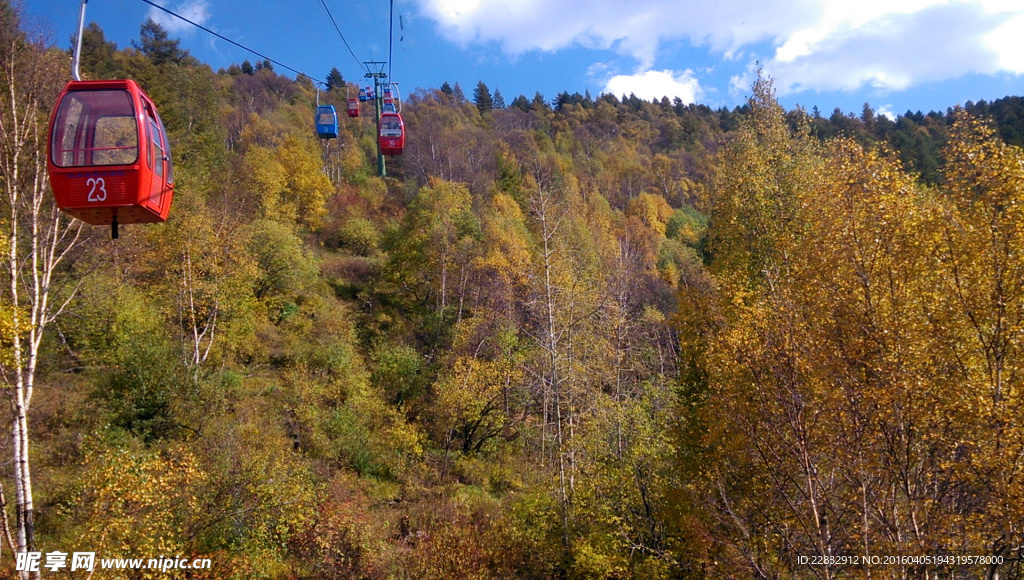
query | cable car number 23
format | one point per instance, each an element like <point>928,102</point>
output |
<point>97,189</point>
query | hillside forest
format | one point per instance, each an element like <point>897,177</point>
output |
<point>564,338</point>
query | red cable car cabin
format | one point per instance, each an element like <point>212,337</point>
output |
<point>108,157</point>
<point>353,107</point>
<point>392,134</point>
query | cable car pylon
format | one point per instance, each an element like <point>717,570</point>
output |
<point>375,71</point>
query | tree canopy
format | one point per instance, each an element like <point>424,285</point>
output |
<point>569,338</point>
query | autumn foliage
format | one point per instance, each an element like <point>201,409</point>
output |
<point>586,339</point>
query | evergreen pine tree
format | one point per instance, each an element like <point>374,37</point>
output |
<point>521,103</point>
<point>539,103</point>
<point>499,101</point>
<point>155,44</point>
<point>97,52</point>
<point>563,98</point>
<point>334,79</point>
<point>482,97</point>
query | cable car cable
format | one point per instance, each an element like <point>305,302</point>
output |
<point>226,39</point>
<point>391,36</point>
<point>336,27</point>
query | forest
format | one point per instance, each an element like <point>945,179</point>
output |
<point>569,338</point>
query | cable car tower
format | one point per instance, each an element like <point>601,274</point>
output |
<point>375,71</point>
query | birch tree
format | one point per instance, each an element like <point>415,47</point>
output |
<point>38,238</point>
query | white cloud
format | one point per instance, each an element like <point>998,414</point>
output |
<point>632,27</point>
<point>887,112</point>
<point>896,50</point>
<point>1007,41</point>
<point>195,10</point>
<point>815,44</point>
<point>655,84</point>
<point>598,68</point>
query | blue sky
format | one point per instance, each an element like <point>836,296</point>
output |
<point>897,55</point>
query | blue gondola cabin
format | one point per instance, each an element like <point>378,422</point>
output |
<point>326,122</point>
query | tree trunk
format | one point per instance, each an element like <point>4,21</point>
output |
<point>38,240</point>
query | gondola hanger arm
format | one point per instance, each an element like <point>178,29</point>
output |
<point>78,43</point>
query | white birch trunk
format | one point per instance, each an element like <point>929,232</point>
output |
<point>38,240</point>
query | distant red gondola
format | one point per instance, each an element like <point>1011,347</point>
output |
<point>353,107</point>
<point>392,134</point>
<point>391,129</point>
<point>108,156</point>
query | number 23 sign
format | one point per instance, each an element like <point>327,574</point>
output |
<point>97,189</point>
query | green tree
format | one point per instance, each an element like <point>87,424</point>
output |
<point>334,79</point>
<point>521,103</point>
<point>131,503</point>
<point>156,45</point>
<point>98,60</point>
<point>539,103</point>
<point>482,97</point>
<point>440,233</point>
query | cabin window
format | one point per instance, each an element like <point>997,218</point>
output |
<point>95,128</point>
<point>156,149</point>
